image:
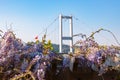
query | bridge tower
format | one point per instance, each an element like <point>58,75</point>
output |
<point>61,37</point>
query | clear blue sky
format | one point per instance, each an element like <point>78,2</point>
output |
<point>30,17</point>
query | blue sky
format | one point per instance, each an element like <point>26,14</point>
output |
<point>29,18</point>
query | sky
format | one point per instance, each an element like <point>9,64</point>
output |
<point>29,18</point>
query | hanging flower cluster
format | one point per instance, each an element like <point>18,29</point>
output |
<point>102,58</point>
<point>30,61</point>
<point>19,60</point>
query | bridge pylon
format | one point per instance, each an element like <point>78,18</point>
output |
<point>61,37</point>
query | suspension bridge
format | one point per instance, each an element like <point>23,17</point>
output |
<point>63,33</point>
